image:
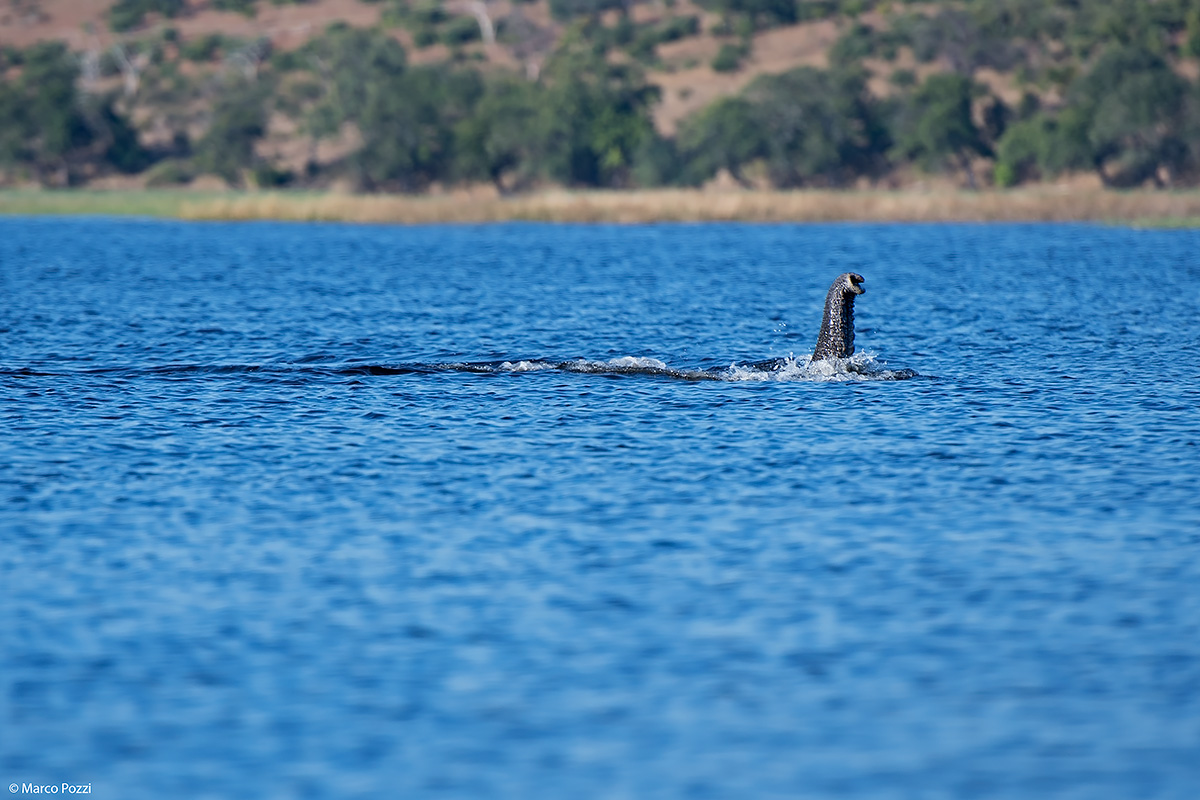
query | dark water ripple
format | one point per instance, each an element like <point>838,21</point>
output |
<point>507,511</point>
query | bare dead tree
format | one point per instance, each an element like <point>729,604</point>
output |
<point>89,67</point>
<point>478,9</point>
<point>531,42</point>
<point>249,58</point>
<point>131,67</point>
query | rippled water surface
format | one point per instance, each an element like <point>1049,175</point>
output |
<point>507,511</point>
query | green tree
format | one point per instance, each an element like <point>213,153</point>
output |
<point>820,127</point>
<point>1021,151</point>
<point>239,120</point>
<point>759,13</point>
<point>935,127</point>
<point>1135,111</point>
<point>49,129</point>
<point>353,65</point>
<point>724,135</point>
<point>1192,42</point>
<point>14,149</point>
<point>958,36</point>
<point>853,46</point>
<point>128,14</point>
<point>55,125</point>
<point>729,57</point>
<point>503,140</point>
<point>408,124</point>
<point>120,147</point>
<point>657,162</point>
<point>356,74</point>
<point>569,9</point>
<point>246,8</point>
<point>597,115</point>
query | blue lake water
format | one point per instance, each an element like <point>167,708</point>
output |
<point>502,511</point>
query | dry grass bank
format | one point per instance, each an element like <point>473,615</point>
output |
<point>697,206</point>
<point>1038,205</point>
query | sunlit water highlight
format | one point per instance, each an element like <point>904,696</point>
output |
<point>564,511</point>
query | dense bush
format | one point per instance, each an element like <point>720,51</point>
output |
<point>407,127</point>
<point>460,30</point>
<point>1130,118</point>
<point>202,48</point>
<point>725,135</point>
<point>244,7</point>
<point>570,9</point>
<point>959,37</point>
<point>170,172</point>
<point>821,127</point>
<point>52,132</point>
<point>808,127</point>
<point>239,120</point>
<point>760,13</point>
<point>1136,114</point>
<point>128,14</point>
<point>598,116</point>
<point>729,57</point>
<point>502,140</point>
<point>641,41</point>
<point>853,46</point>
<point>1105,90</point>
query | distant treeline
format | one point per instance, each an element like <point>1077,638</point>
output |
<point>1103,93</point>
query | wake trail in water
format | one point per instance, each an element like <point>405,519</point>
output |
<point>858,367</point>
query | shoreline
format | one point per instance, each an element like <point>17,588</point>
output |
<point>1047,204</point>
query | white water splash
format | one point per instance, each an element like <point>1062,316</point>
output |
<point>637,362</point>
<point>861,366</point>
<point>526,366</point>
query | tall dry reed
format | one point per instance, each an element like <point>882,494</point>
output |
<point>1046,205</point>
<point>1036,204</point>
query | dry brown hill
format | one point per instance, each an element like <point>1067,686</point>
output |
<point>684,70</point>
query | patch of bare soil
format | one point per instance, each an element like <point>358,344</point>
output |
<point>23,24</point>
<point>83,24</point>
<point>687,90</point>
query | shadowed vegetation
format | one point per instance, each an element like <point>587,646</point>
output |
<point>1104,86</point>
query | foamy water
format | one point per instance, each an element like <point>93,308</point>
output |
<point>861,366</point>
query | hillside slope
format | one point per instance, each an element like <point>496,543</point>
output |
<point>696,72</point>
